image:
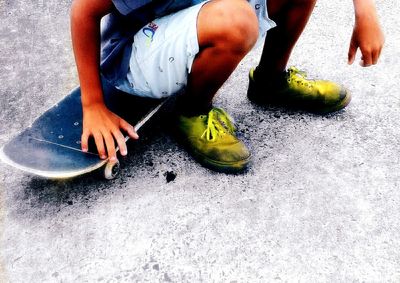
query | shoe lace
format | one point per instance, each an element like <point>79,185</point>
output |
<point>299,77</point>
<point>218,123</point>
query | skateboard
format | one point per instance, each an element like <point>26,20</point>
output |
<point>51,147</point>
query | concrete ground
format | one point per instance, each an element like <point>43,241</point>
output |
<point>319,203</point>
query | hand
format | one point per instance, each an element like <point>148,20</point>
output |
<point>105,127</point>
<point>368,36</point>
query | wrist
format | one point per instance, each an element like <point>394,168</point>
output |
<point>92,103</point>
<point>91,98</point>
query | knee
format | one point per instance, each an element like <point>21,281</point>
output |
<point>233,25</point>
<point>238,25</point>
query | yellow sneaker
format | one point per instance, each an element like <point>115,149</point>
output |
<point>212,142</point>
<point>294,90</point>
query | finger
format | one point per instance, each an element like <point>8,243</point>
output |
<point>362,61</point>
<point>110,146</point>
<point>367,58</point>
<point>352,53</point>
<point>129,129</point>
<point>119,137</point>
<point>98,139</point>
<point>380,51</point>
<point>84,141</point>
<point>375,56</point>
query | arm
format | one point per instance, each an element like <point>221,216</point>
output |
<point>367,33</point>
<point>98,121</point>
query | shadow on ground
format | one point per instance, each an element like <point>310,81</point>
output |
<point>44,196</point>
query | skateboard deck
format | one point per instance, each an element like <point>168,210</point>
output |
<point>51,147</point>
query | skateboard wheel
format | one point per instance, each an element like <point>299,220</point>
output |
<point>111,170</point>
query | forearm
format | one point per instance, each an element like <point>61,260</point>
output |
<point>85,32</point>
<point>98,121</point>
<point>364,8</point>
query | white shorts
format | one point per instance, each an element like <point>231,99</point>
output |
<point>163,52</point>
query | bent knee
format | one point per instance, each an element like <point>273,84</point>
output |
<point>232,24</point>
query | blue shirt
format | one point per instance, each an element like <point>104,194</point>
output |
<point>119,27</point>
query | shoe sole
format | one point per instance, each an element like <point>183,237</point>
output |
<point>223,167</point>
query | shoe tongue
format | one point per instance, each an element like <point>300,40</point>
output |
<point>195,112</point>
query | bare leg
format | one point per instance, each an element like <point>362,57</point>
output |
<point>291,16</point>
<point>227,30</point>
<point>291,89</point>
